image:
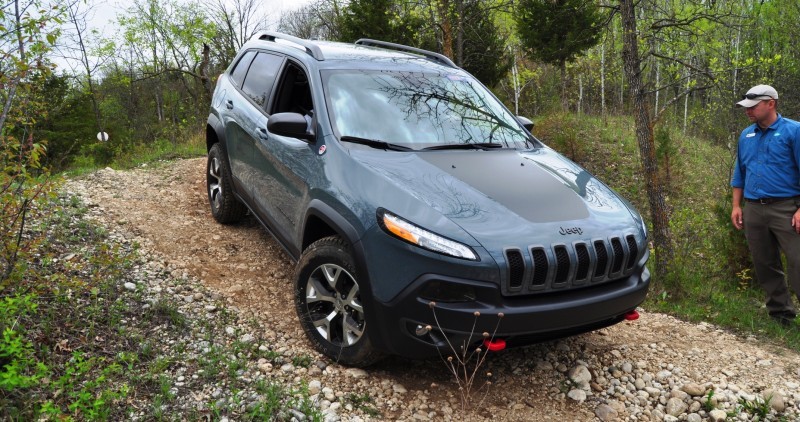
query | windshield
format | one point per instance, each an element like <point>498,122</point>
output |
<point>419,110</point>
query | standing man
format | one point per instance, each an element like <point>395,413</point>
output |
<point>767,178</point>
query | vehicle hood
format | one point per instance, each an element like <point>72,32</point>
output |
<point>499,197</point>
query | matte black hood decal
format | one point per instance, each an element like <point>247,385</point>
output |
<point>519,184</point>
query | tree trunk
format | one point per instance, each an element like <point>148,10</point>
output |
<point>205,78</point>
<point>659,212</point>
<point>447,28</point>
<point>603,80</point>
<point>72,10</point>
<point>564,103</point>
<point>459,33</point>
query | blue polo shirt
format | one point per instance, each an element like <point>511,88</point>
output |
<point>767,160</point>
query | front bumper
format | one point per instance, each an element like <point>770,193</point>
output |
<point>525,319</point>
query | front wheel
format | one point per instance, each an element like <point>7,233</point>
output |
<point>225,207</point>
<point>329,303</point>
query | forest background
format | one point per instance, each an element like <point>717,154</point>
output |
<point>640,93</point>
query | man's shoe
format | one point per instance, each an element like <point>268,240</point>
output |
<point>785,319</point>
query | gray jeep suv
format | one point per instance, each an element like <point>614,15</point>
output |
<point>412,200</point>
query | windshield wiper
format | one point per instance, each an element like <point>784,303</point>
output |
<point>375,143</point>
<point>485,146</point>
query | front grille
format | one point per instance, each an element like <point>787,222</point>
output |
<point>633,249</point>
<point>540,266</point>
<point>563,266</point>
<point>619,255</point>
<point>584,261</point>
<point>516,268</point>
<point>602,258</point>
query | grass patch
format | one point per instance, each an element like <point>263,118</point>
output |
<point>75,344</point>
<point>191,146</point>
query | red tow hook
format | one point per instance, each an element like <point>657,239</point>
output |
<point>632,315</point>
<point>495,345</point>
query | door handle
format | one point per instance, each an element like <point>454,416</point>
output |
<point>229,104</point>
<point>263,134</point>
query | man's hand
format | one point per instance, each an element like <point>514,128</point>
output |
<point>736,218</point>
<point>796,221</point>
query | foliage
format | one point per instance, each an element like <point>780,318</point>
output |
<point>19,369</point>
<point>385,20</point>
<point>556,32</point>
<point>76,345</point>
<point>23,178</point>
<point>485,54</point>
<point>711,278</point>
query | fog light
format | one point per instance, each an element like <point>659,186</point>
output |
<point>441,291</point>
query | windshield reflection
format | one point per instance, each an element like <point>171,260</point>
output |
<point>418,109</point>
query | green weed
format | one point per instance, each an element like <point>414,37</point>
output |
<point>363,402</point>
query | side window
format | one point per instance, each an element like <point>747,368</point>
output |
<point>294,93</point>
<point>261,77</point>
<point>241,68</point>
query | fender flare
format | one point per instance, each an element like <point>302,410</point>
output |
<point>349,234</point>
<point>215,124</point>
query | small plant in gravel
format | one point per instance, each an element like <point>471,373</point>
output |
<point>757,408</point>
<point>466,360</point>
<point>708,403</point>
<point>302,361</point>
<point>363,402</point>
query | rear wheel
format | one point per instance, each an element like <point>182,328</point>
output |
<point>225,207</point>
<point>329,303</point>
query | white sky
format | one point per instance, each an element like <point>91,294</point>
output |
<point>103,16</point>
<point>105,12</point>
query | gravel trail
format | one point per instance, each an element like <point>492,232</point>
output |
<point>654,368</point>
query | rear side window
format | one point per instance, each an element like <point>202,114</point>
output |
<point>241,68</point>
<point>261,77</point>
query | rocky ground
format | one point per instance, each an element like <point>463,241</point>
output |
<point>654,368</point>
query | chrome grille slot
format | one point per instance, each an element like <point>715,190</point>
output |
<point>540,266</point>
<point>562,264</point>
<point>584,261</point>
<point>619,255</point>
<point>602,258</point>
<point>516,268</point>
<point>633,250</point>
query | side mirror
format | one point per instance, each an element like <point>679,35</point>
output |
<point>526,123</point>
<point>293,125</point>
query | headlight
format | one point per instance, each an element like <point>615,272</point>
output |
<point>404,230</point>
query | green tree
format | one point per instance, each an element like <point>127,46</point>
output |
<point>26,39</point>
<point>557,31</point>
<point>386,20</point>
<point>484,49</point>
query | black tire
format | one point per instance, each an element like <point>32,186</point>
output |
<point>225,207</point>
<point>329,303</point>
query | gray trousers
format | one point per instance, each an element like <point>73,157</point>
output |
<point>768,229</point>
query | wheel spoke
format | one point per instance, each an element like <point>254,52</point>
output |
<point>323,325</point>
<point>214,183</point>
<point>352,301</point>
<point>351,331</point>
<point>316,292</point>
<point>331,273</point>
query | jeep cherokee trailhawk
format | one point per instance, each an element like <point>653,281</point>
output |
<point>412,199</point>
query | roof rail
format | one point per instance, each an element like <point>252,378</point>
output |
<point>430,55</point>
<point>310,48</point>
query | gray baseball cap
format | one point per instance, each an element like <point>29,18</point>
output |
<point>757,94</point>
